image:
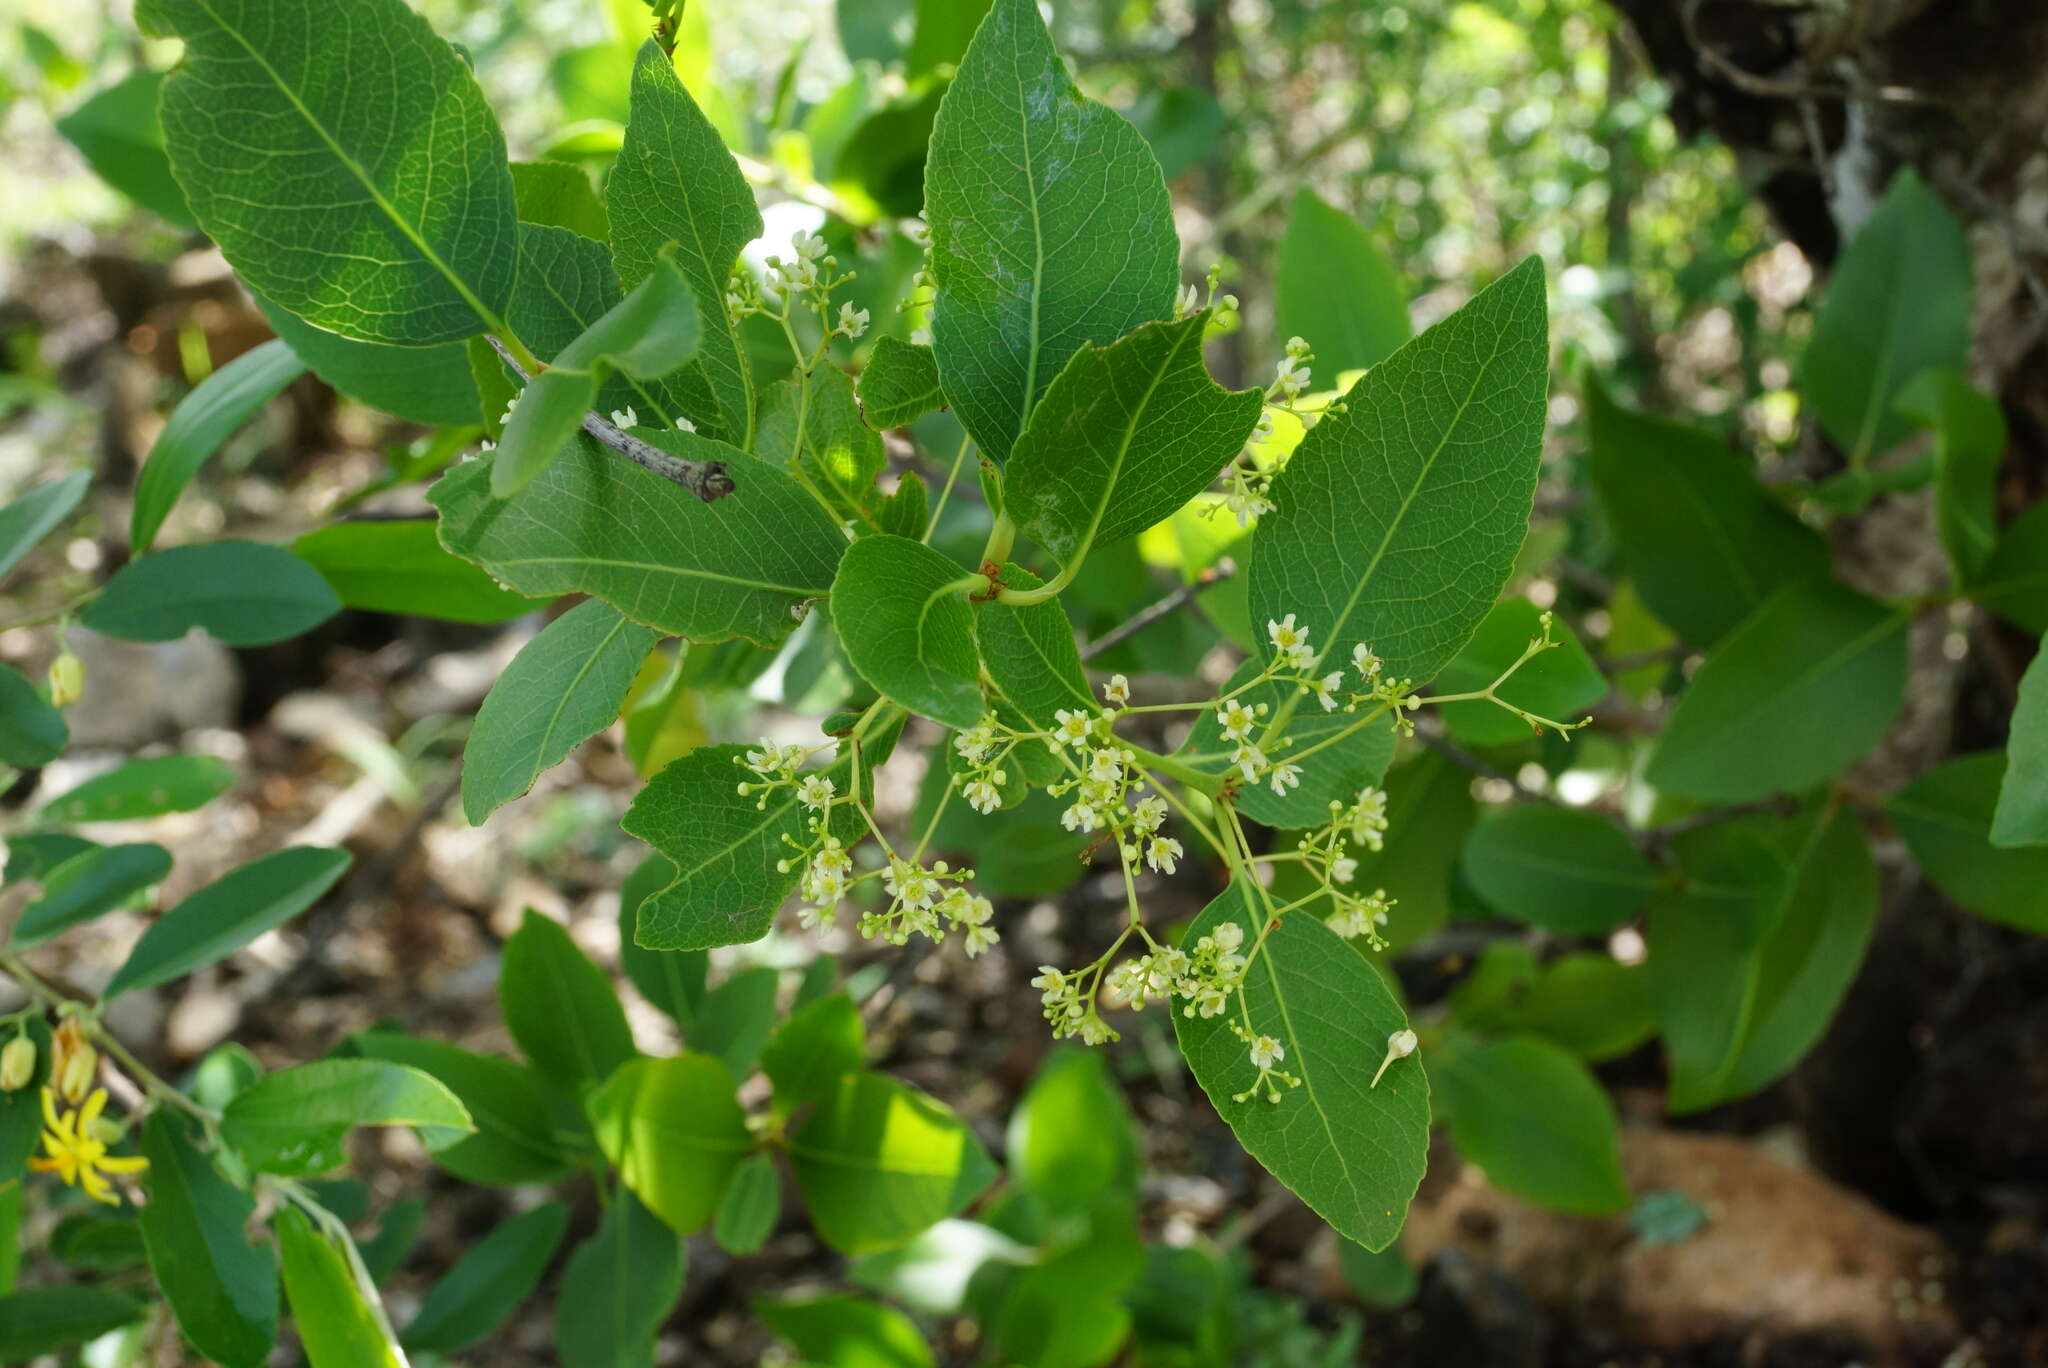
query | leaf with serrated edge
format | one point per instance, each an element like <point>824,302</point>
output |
<point>900,383</point>
<point>901,612</point>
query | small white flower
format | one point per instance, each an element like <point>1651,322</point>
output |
<point>1118,691</point>
<point>814,792</point>
<point>983,796</point>
<point>1187,301</point>
<point>1365,662</point>
<point>1266,1052</point>
<point>1228,937</point>
<point>1286,777</point>
<point>1402,1043</point>
<point>1073,728</point>
<point>1106,765</point>
<point>625,417</point>
<point>976,743</point>
<point>910,885</point>
<point>1343,869</point>
<point>1326,691</point>
<point>809,246</point>
<point>1161,852</point>
<point>1290,643</point>
<point>920,337</point>
<point>1149,813</point>
<point>1236,719</point>
<point>852,322</point>
<point>1081,817</point>
<point>684,425</point>
<point>1250,761</point>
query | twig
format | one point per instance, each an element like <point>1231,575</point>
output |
<point>1755,83</point>
<point>1660,837</point>
<point>706,479</point>
<point>1465,759</point>
<point>1152,612</point>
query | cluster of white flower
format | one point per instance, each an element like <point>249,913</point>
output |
<point>809,267</point>
<point>1361,916</point>
<point>1291,375</point>
<point>984,747</point>
<point>930,901</point>
<point>1205,979</point>
<point>1266,1055</point>
<point>1069,1000</point>
<point>773,764</point>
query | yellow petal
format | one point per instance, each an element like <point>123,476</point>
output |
<point>115,1164</point>
<point>90,1112</point>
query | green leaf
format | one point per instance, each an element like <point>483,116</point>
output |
<point>2015,580</point>
<point>116,130</point>
<point>1385,1281</point>
<point>1704,543</point>
<point>143,788</point>
<point>879,1162</point>
<point>227,914</point>
<point>1898,302</point>
<point>815,1047</point>
<point>1029,651</point>
<point>557,195</point>
<point>88,884</point>
<point>1352,1151</point>
<point>560,1007</point>
<point>1591,1004</point>
<point>1969,447</point>
<point>240,593</point>
<point>734,1019</point>
<point>841,455</point>
<point>337,1327</point>
<point>517,1138</point>
<point>564,686</point>
<point>675,182</point>
<point>674,1133</point>
<point>1125,435</point>
<point>489,1282</point>
<point>345,161</point>
<point>617,1289</point>
<point>34,854</point>
<point>1336,290</point>
<point>1539,1125</point>
<point>1337,771</point>
<point>36,514</point>
<point>220,1285</point>
<point>44,1320</point>
<point>398,566</point>
<point>1788,699</point>
<point>293,1122</point>
<point>905,511</point>
<point>724,847</point>
<point>1559,683</point>
<point>2021,817</point>
<point>92,1242</point>
<point>203,419</point>
<point>1399,518</point>
<point>672,980</point>
<point>748,1210</point>
<point>899,384</point>
<point>902,614</point>
<point>431,385</point>
<point>1563,869</point>
<point>847,1332</point>
<point>1071,1140</point>
<point>1050,225</point>
<point>1945,818</point>
<point>595,523</point>
<point>32,733</point>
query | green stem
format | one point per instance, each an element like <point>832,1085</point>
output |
<point>959,459</point>
<point>997,549</point>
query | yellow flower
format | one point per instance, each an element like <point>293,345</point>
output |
<point>76,1153</point>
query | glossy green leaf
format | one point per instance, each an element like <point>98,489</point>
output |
<point>88,884</point>
<point>337,1327</point>
<point>879,1162</point>
<point>560,1007</point>
<point>1897,303</point>
<point>1559,683</point>
<point>735,1018</point>
<point>32,733</point>
<point>143,788</point>
<point>58,1316</point>
<point>489,1282</point>
<point>672,980</point>
<point>564,686</point>
<point>1539,1125</point>
<point>595,523</point>
<point>345,161</point>
<point>1071,1140</point>
<point>1399,518</point>
<point>748,1210</point>
<point>1125,435</point>
<point>817,1045</point>
<point>1704,543</point>
<point>97,1242</point>
<point>2021,817</point>
<point>1969,447</point>
<point>221,1286</point>
<point>430,385</point>
<point>33,516</point>
<point>674,1133</point>
<point>1352,1151</point>
<point>617,1289</point>
<point>1050,225</point>
<point>1788,699</point>
<point>1589,1003</point>
<point>2014,584</point>
<point>902,615</point>
<point>227,914</point>
<point>557,195</point>
<point>841,454</point>
<point>204,419</point>
<point>116,130</point>
<point>517,1137</point>
<point>1563,869</point>
<point>293,1122</point>
<point>1334,288</point>
<point>847,1332</point>
<point>398,566</point>
<point>1945,818</point>
<point>1029,652</point>
<point>240,593</point>
<point>899,384</point>
<point>906,511</point>
<point>674,182</point>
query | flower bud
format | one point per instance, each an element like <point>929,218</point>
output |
<point>17,1064</point>
<point>1401,1044</point>
<point>75,1063</point>
<point>67,680</point>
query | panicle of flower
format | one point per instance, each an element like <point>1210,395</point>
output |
<point>1361,916</point>
<point>1068,998</point>
<point>1266,1056</point>
<point>774,765</point>
<point>930,901</point>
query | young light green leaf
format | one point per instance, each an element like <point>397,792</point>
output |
<point>555,194</point>
<point>899,384</point>
<point>902,615</point>
<point>143,788</point>
<point>674,182</point>
<point>2021,817</point>
<point>1352,1151</point>
<point>116,130</point>
<point>617,1289</point>
<point>1898,303</point>
<point>1704,543</point>
<point>595,523</point>
<point>88,884</point>
<point>1969,447</point>
<point>735,1018</point>
<point>879,1162</point>
<point>819,1043</point>
<point>227,914</point>
<point>59,1316</point>
<point>1050,226</point>
<point>1792,696</point>
<point>841,455</point>
<point>1071,1140</point>
<point>204,419</point>
<point>1539,1125</point>
<point>560,1007</point>
<point>431,385</point>
<point>564,686</point>
<point>337,1327</point>
<point>36,514</point>
<point>1559,682</point>
<point>672,980</point>
<point>345,161</point>
<point>906,512</point>
<point>750,1206</point>
<point>1335,289</point>
<point>398,566</point>
<point>1563,869</point>
<point>489,1282</point>
<point>240,593</point>
<point>1382,536</point>
<point>220,1285</point>
<point>293,1122</point>
<point>847,1332</point>
<point>517,1139</point>
<point>1029,651</point>
<point>674,1133</point>
<point>1123,436</point>
<point>32,733</point>
<point>1945,818</point>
